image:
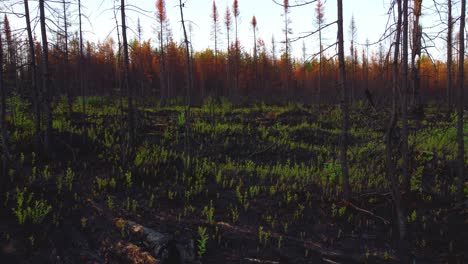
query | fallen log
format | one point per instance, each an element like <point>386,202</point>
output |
<point>162,246</point>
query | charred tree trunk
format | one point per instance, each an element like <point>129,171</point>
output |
<point>121,92</point>
<point>126,61</point>
<point>164,88</point>
<point>46,78</point>
<point>66,60</point>
<point>189,84</point>
<point>404,100</point>
<point>228,91</point>
<point>449,59</point>
<point>390,137</point>
<point>5,156</point>
<point>319,91</point>
<point>461,85</point>
<point>344,104</point>
<point>81,70</point>
<point>32,62</point>
<point>416,54</point>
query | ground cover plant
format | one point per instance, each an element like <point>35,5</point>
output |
<point>253,188</point>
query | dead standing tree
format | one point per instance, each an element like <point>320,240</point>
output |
<point>126,82</point>
<point>161,18</point>
<point>236,12</point>
<point>449,59</point>
<point>255,57</point>
<point>344,105</point>
<point>189,84</point>
<point>415,55</point>
<point>66,58</point>
<point>33,66</point>
<point>404,99</point>
<point>461,85</point>
<point>216,30</point>
<point>320,20</point>
<point>5,156</point>
<point>46,84</point>
<point>80,66</point>
<point>228,24</point>
<point>390,137</point>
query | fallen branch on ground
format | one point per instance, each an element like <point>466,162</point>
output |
<point>367,212</point>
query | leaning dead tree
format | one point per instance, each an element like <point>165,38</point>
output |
<point>189,82</point>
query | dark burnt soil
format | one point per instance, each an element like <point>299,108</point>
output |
<point>287,221</point>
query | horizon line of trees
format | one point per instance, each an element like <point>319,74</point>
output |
<point>79,67</point>
<point>156,71</point>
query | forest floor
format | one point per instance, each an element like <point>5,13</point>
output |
<point>256,184</point>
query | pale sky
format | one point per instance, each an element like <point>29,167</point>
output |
<point>370,17</point>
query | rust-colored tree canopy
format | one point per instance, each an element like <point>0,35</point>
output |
<point>161,10</point>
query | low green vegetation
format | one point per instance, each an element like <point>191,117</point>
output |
<point>274,169</point>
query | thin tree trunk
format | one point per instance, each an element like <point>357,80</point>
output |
<point>45,79</point>
<point>189,83</point>
<point>319,92</point>
<point>81,70</point>
<point>228,65</point>
<point>163,91</point>
<point>66,60</point>
<point>131,114</point>
<point>121,94</point>
<point>415,65</point>
<point>216,61</point>
<point>35,87</point>
<point>461,85</point>
<point>236,66</point>
<point>255,60</point>
<point>5,156</point>
<point>286,41</point>
<point>449,59</point>
<point>404,99</point>
<point>344,104</point>
<point>389,137</point>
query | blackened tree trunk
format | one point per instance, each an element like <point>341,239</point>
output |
<point>449,59</point>
<point>66,60</point>
<point>416,53</point>
<point>404,100</point>
<point>32,62</point>
<point>189,84</point>
<point>161,19</point>
<point>126,61</point>
<point>390,134</point>
<point>46,79</point>
<point>461,84</point>
<point>344,104</point>
<point>81,70</point>
<point>5,156</point>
